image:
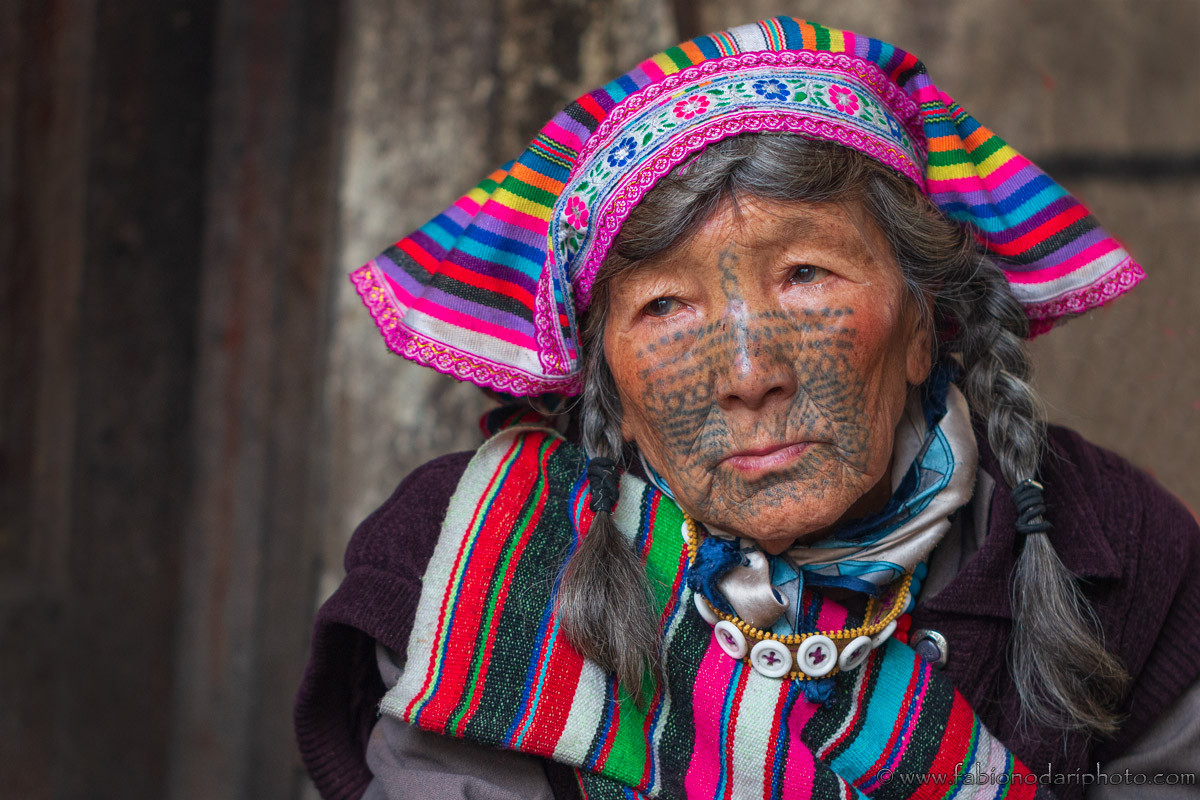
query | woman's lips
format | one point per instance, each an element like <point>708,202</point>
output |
<point>765,459</point>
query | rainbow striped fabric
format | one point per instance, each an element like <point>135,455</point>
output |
<point>488,291</point>
<point>487,662</point>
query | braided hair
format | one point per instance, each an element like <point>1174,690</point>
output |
<point>1062,672</point>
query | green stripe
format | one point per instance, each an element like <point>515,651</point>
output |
<point>823,37</point>
<point>666,548</point>
<point>518,631</point>
<point>456,578</point>
<point>949,158</point>
<point>532,193</point>
<point>497,583</point>
<point>627,758</point>
<point>985,150</point>
<point>680,58</point>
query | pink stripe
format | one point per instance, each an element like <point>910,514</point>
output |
<point>520,219</point>
<point>798,771</point>
<point>468,205</point>
<point>832,617</point>
<point>452,317</point>
<point>1093,253</point>
<point>561,135</point>
<point>653,71</point>
<point>993,181</point>
<point>708,699</point>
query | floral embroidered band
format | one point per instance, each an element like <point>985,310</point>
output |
<point>834,97</point>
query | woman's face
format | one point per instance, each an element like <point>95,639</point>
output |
<point>763,365</point>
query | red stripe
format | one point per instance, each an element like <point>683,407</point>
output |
<point>908,63</point>
<point>432,670</point>
<point>486,282</point>
<point>558,692</point>
<point>592,107</point>
<point>419,254</point>
<point>614,722</point>
<point>502,517</point>
<point>773,742</point>
<point>1039,234</point>
<point>956,739</point>
<point>506,584</point>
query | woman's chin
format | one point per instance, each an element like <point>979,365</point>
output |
<point>781,527</point>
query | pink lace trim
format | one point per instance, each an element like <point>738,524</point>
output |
<point>1044,316</point>
<point>623,201</point>
<point>446,358</point>
<point>552,353</point>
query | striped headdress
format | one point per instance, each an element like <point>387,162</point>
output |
<point>490,289</point>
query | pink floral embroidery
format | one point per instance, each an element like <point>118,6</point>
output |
<point>576,213</point>
<point>843,99</point>
<point>690,107</point>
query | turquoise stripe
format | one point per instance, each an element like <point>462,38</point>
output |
<point>883,709</point>
<point>443,237</point>
<point>616,91</point>
<point>1016,216</point>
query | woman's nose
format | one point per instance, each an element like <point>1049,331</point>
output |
<point>757,368</point>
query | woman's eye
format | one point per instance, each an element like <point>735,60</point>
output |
<point>807,273</point>
<point>661,306</point>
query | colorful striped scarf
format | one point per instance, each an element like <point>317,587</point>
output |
<point>488,291</point>
<point>487,662</point>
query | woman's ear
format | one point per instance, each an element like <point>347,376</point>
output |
<point>919,353</point>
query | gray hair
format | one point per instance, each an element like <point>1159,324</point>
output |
<point>1062,672</point>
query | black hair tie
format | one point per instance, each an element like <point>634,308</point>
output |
<point>602,483</point>
<point>1031,508</point>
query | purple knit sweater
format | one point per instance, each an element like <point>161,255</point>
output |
<point>1134,546</point>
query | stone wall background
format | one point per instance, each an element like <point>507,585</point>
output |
<point>195,410</point>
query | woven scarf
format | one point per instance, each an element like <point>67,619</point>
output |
<point>487,662</point>
<point>489,290</point>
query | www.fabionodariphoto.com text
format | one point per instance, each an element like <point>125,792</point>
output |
<point>1047,777</point>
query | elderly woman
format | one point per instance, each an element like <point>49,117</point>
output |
<point>802,534</point>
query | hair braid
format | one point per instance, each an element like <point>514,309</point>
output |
<point>1062,672</point>
<point>603,579</point>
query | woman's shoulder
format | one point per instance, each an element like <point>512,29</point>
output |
<point>399,535</point>
<point>1147,594</point>
<point>1127,501</point>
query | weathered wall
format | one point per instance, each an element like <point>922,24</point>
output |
<point>438,95</point>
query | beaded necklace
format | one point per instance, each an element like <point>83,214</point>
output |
<point>801,656</point>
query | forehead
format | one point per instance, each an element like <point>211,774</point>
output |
<point>768,227</point>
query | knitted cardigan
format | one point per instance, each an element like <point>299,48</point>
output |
<point>1135,548</point>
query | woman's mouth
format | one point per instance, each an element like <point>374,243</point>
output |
<point>766,459</point>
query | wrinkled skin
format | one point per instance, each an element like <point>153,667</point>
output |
<point>763,365</point>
